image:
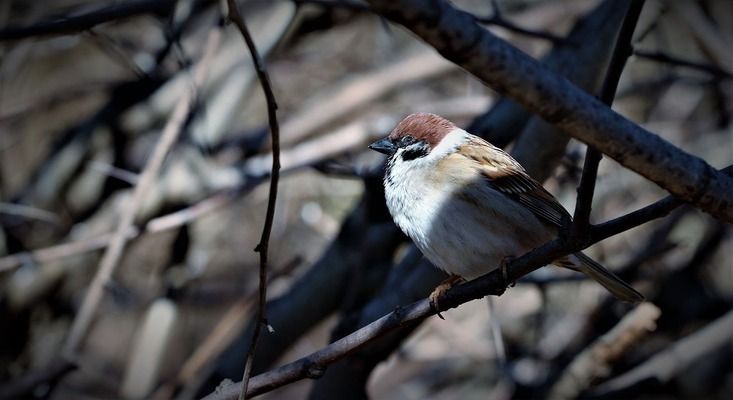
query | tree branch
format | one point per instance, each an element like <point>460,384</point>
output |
<point>457,36</point>
<point>262,248</point>
<point>72,24</point>
<point>314,365</point>
<point>679,62</point>
<point>113,253</point>
<point>621,53</point>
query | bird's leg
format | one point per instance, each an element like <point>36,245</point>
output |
<point>440,290</point>
<point>505,271</point>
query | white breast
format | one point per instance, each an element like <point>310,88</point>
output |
<point>463,226</point>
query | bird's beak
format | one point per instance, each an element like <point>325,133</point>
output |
<point>384,146</point>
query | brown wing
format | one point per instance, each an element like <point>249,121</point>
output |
<point>514,181</point>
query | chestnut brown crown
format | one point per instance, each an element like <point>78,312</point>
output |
<point>430,128</point>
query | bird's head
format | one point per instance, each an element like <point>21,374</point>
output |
<point>415,136</point>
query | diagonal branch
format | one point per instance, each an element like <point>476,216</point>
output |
<point>262,248</point>
<point>457,36</point>
<point>313,365</point>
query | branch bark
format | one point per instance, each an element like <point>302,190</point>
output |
<point>456,35</point>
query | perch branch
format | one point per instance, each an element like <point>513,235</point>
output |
<point>314,364</point>
<point>235,17</point>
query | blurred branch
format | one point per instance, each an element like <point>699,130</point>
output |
<point>680,62</point>
<point>158,224</point>
<point>596,360</point>
<point>113,253</point>
<point>497,19</point>
<point>73,24</point>
<point>355,93</point>
<point>24,386</point>
<point>506,69</point>
<point>674,360</point>
<point>700,25</point>
<point>221,335</point>
<point>262,248</point>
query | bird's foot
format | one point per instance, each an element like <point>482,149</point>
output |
<point>441,289</point>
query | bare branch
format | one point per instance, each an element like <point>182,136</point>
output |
<point>457,37</point>
<point>680,62</point>
<point>235,17</point>
<point>493,283</point>
<point>596,360</point>
<point>73,24</point>
<point>621,53</point>
<point>113,253</point>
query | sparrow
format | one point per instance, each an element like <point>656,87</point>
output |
<point>469,206</point>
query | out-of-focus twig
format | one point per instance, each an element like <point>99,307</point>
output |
<point>497,19</point>
<point>21,388</point>
<point>672,361</point>
<point>262,248</point>
<point>218,338</point>
<point>357,92</point>
<point>596,360</point>
<point>158,224</point>
<point>693,16</point>
<point>78,23</point>
<point>680,62</point>
<point>113,253</point>
<point>28,212</point>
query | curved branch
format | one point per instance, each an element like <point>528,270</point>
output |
<point>262,248</point>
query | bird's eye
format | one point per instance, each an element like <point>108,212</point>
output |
<point>407,140</point>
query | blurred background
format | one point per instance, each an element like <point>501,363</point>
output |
<point>87,88</point>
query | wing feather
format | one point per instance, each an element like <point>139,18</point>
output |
<point>513,181</point>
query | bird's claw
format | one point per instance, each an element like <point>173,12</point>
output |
<point>440,291</point>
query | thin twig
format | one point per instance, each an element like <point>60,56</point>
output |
<point>497,19</point>
<point>621,53</point>
<point>113,253</point>
<point>262,248</point>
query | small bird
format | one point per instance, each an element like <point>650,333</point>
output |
<point>469,206</point>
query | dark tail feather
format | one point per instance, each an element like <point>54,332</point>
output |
<point>608,279</point>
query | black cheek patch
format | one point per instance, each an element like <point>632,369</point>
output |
<point>415,152</point>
